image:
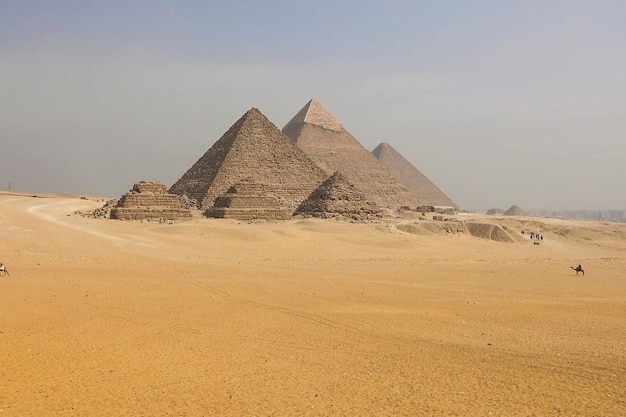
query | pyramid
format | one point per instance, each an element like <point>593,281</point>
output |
<point>514,211</point>
<point>416,182</point>
<point>318,133</point>
<point>253,147</point>
<point>338,197</point>
<point>247,200</point>
<point>315,114</point>
<point>148,200</point>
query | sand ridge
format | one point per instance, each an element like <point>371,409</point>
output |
<point>306,317</point>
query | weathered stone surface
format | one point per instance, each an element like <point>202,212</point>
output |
<point>249,214</point>
<point>252,148</point>
<point>247,200</point>
<point>338,197</point>
<point>318,133</point>
<point>149,186</point>
<point>149,213</point>
<point>103,212</point>
<point>149,200</point>
<point>436,209</point>
<point>416,182</point>
<point>188,203</point>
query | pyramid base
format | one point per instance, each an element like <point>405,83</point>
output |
<point>248,214</point>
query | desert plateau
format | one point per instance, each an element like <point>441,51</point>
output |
<point>308,317</point>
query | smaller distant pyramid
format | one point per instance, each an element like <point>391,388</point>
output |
<point>338,197</point>
<point>149,200</point>
<point>425,190</point>
<point>514,211</point>
<point>247,200</point>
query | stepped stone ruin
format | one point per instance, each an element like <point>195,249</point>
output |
<point>322,137</point>
<point>253,147</point>
<point>409,176</point>
<point>149,200</point>
<point>247,201</point>
<point>337,197</point>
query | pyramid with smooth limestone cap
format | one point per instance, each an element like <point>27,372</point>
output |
<point>322,137</point>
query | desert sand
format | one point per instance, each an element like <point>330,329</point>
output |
<point>306,317</point>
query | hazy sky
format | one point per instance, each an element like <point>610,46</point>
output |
<point>497,102</point>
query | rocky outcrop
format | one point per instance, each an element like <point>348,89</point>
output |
<point>338,198</point>
<point>103,212</point>
<point>247,201</point>
<point>149,200</point>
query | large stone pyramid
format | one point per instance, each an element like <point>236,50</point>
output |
<point>252,148</point>
<point>425,190</point>
<point>318,133</point>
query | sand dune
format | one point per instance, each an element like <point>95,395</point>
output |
<point>307,317</point>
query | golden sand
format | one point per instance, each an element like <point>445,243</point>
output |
<point>306,317</point>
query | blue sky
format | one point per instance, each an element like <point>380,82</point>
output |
<point>498,103</point>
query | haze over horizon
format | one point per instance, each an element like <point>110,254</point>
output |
<point>497,103</point>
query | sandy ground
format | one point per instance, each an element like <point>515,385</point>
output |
<point>306,318</point>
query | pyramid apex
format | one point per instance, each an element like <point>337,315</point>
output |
<point>382,148</point>
<point>253,112</point>
<point>314,113</point>
<point>253,116</point>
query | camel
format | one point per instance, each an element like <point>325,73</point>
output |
<point>4,270</point>
<point>578,269</point>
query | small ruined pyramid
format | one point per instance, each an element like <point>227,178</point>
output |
<point>247,200</point>
<point>253,147</point>
<point>322,137</point>
<point>338,197</point>
<point>148,200</point>
<point>416,182</point>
